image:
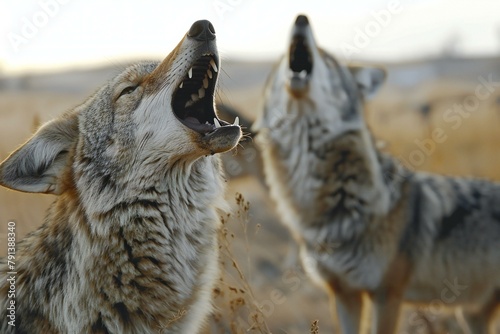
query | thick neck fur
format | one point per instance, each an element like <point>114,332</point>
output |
<point>176,183</point>
<point>140,251</point>
<point>326,176</point>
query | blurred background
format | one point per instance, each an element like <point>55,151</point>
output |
<point>438,111</point>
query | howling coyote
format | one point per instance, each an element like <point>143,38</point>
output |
<point>130,244</point>
<point>365,224</point>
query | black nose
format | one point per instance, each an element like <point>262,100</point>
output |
<point>301,20</point>
<point>202,30</point>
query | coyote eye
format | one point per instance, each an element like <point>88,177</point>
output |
<point>127,90</point>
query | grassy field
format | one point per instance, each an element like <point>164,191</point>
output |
<point>263,288</point>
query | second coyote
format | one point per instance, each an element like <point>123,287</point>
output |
<point>365,224</point>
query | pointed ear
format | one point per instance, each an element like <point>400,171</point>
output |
<point>368,79</point>
<point>37,165</point>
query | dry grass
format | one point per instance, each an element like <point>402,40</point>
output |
<point>237,306</point>
<point>315,327</point>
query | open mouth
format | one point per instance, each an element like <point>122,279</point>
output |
<point>193,100</point>
<point>300,58</point>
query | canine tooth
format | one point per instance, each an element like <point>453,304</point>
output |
<point>209,74</point>
<point>236,121</point>
<point>216,122</point>
<point>181,85</point>
<point>212,62</point>
<point>201,93</point>
<point>205,83</point>
<point>194,97</point>
<point>190,73</point>
<point>303,74</point>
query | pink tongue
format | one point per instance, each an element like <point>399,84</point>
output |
<point>192,120</point>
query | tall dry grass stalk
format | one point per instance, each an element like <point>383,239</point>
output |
<point>237,307</point>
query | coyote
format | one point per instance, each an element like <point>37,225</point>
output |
<point>130,243</point>
<point>366,225</point>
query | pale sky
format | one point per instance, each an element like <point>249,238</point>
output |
<point>50,34</point>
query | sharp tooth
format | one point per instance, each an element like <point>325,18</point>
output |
<point>216,122</point>
<point>236,121</point>
<point>194,97</point>
<point>205,83</point>
<point>181,85</point>
<point>212,62</point>
<point>190,73</point>
<point>303,74</point>
<point>201,93</point>
<point>188,104</point>
<point>209,74</point>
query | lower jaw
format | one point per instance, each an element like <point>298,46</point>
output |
<point>222,140</point>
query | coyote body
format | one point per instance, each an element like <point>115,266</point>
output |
<point>367,225</point>
<point>130,244</point>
